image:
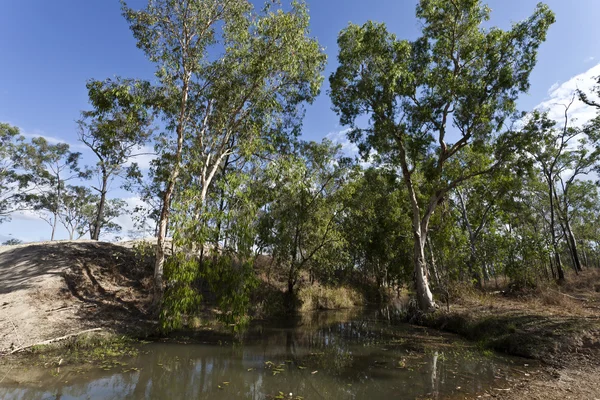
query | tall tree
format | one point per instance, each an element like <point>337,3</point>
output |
<point>458,80</point>
<point>563,152</point>
<point>375,227</point>
<point>115,130</point>
<point>232,80</point>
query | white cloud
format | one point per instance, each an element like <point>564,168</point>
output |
<point>350,149</point>
<point>52,139</point>
<point>554,86</point>
<point>589,59</point>
<point>341,137</point>
<point>126,220</point>
<point>25,215</point>
<point>561,95</point>
<point>144,158</point>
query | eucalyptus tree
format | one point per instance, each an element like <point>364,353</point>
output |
<point>75,216</point>
<point>116,131</point>
<point>522,229</point>
<point>431,99</point>
<point>299,225</point>
<point>577,162</point>
<point>233,81</point>
<point>15,183</point>
<point>478,202</point>
<point>78,213</point>
<point>583,202</point>
<point>376,228</point>
<point>53,166</point>
<point>563,152</point>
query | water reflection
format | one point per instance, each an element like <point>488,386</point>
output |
<point>321,356</point>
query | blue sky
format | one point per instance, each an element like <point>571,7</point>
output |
<point>50,48</point>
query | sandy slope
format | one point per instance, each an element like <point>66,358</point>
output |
<point>50,289</point>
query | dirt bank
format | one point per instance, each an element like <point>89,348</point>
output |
<point>557,325</point>
<point>53,289</point>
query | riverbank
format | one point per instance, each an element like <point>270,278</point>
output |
<point>55,290</point>
<point>52,290</point>
<point>556,325</point>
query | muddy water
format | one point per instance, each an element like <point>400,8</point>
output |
<point>332,355</point>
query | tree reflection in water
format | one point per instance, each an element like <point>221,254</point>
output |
<point>363,355</point>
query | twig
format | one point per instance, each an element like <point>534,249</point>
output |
<point>8,372</point>
<point>16,332</point>
<point>61,308</point>
<point>55,339</point>
<point>75,306</point>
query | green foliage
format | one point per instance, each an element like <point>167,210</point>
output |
<point>16,187</point>
<point>12,242</point>
<point>303,205</point>
<point>232,282</point>
<point>52,167</point>
<point>457,77</point>
<point>181,299</point>
<point>115,131</point>
<point>376,227</point>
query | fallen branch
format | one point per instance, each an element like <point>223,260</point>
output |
<point>55,340</point>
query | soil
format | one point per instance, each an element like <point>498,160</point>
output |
<point>52,289</point>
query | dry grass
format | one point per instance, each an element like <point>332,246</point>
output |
<point>328,298</point>
<point>579,295</point>
<point>551,322</point>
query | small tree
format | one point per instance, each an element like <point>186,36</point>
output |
<point>301,217</point>
<point>12,242</point>
<point>77,201</point>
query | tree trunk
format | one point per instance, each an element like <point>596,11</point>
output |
<point>433,263</point>
<point>57,205</point>
<point>585,257</point>
<point>54,226</point>
<point>420,228</point>
<point>558,264</point>
<point>424,296</point>
<point>166,203</point>
<point>100,212</point>
<point>474,268</point>
<point>573,246</point>
<point>552,268</point>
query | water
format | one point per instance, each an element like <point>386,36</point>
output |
<point>333,355</point>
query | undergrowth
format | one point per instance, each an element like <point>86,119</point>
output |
<point>318,297</point>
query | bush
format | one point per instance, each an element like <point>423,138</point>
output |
<point>12,242</point>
